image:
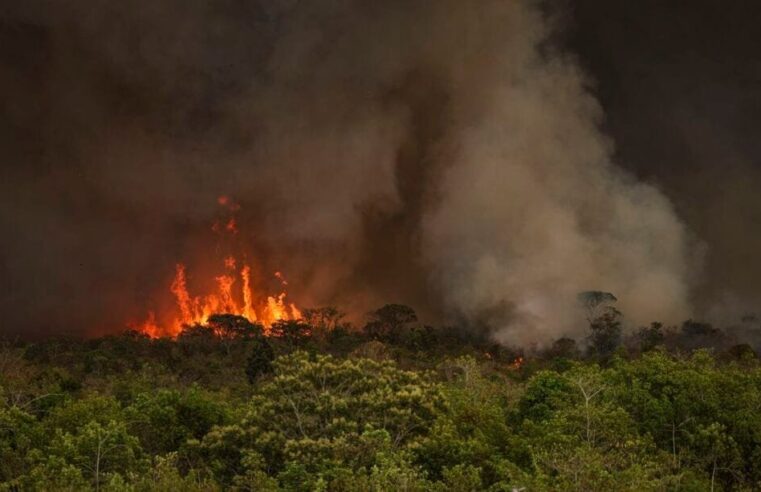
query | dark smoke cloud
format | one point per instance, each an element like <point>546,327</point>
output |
<point>442,154</point>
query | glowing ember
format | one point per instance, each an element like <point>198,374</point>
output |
<point>234,294</point>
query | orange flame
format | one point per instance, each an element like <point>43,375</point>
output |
<point>193,310</point>
<point>149,326</point>
<point>248,298</point>
<point>230,297</point>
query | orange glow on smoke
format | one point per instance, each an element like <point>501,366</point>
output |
<point>234,294</point>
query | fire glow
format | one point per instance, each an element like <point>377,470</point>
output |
<point>234,294</point>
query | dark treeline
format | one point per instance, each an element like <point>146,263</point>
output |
<point>319,404</point>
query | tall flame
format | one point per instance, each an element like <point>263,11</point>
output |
<point>193,310</point>
<point>231,296</point>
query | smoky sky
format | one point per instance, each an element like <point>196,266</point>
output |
<point>680,83</point>
<point>479,160</point>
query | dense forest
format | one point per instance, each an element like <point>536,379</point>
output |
<point>320,404</point>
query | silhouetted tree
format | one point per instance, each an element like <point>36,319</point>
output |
<point>651,336</point>
<point>197,339</point>
<point>293,332</point>
<point>604,322</point>
<point>605,334</point>
<point>740,352</point>
<point>387,322</point>
<point>596,303</point>
<point>259,362</point>
<point>324,320</point>
<point>231,326</point>
<point>419,337</point>
<point>696,334</point>
<point>563,348</point>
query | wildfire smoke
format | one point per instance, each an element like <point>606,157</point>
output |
<point>447,155</point>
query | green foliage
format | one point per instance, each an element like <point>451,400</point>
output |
<point>216,409</point>
<point>70,416</point>
<point>474,428</point>
<point>698,412</point>
<point>98,452</point>
<point>19,434</point>
<point>164,420</point>
<point>165,476</point>
<point>319,413</point>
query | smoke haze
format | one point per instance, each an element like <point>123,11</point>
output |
<point>448,155</point>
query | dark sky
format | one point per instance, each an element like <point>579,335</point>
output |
<point>91,92</point>
<point>681,86</point>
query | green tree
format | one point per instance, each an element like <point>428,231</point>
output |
<point>72,414</point>
<point>19,433</point>
<point>582,439</point>
<point>317,416</point>
<point>471,430</point>
<point>164,420</point>
<point>165,476</point>
<point>695,409</point>
<point>97,451</point>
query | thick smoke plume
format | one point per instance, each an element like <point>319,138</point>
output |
<point>679,85</point>
<point>444,154</point>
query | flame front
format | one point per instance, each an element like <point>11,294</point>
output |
<point>228,299</point>
<point>234,295</point>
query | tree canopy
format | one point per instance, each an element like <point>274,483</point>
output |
<point>394,405</point>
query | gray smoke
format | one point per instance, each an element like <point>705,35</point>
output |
<point>446,154</point>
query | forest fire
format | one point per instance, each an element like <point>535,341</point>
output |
<point>193,310</point>
<point>234,294</point>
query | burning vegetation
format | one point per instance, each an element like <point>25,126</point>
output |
<point>448,155</point>
<point>235,292</point>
